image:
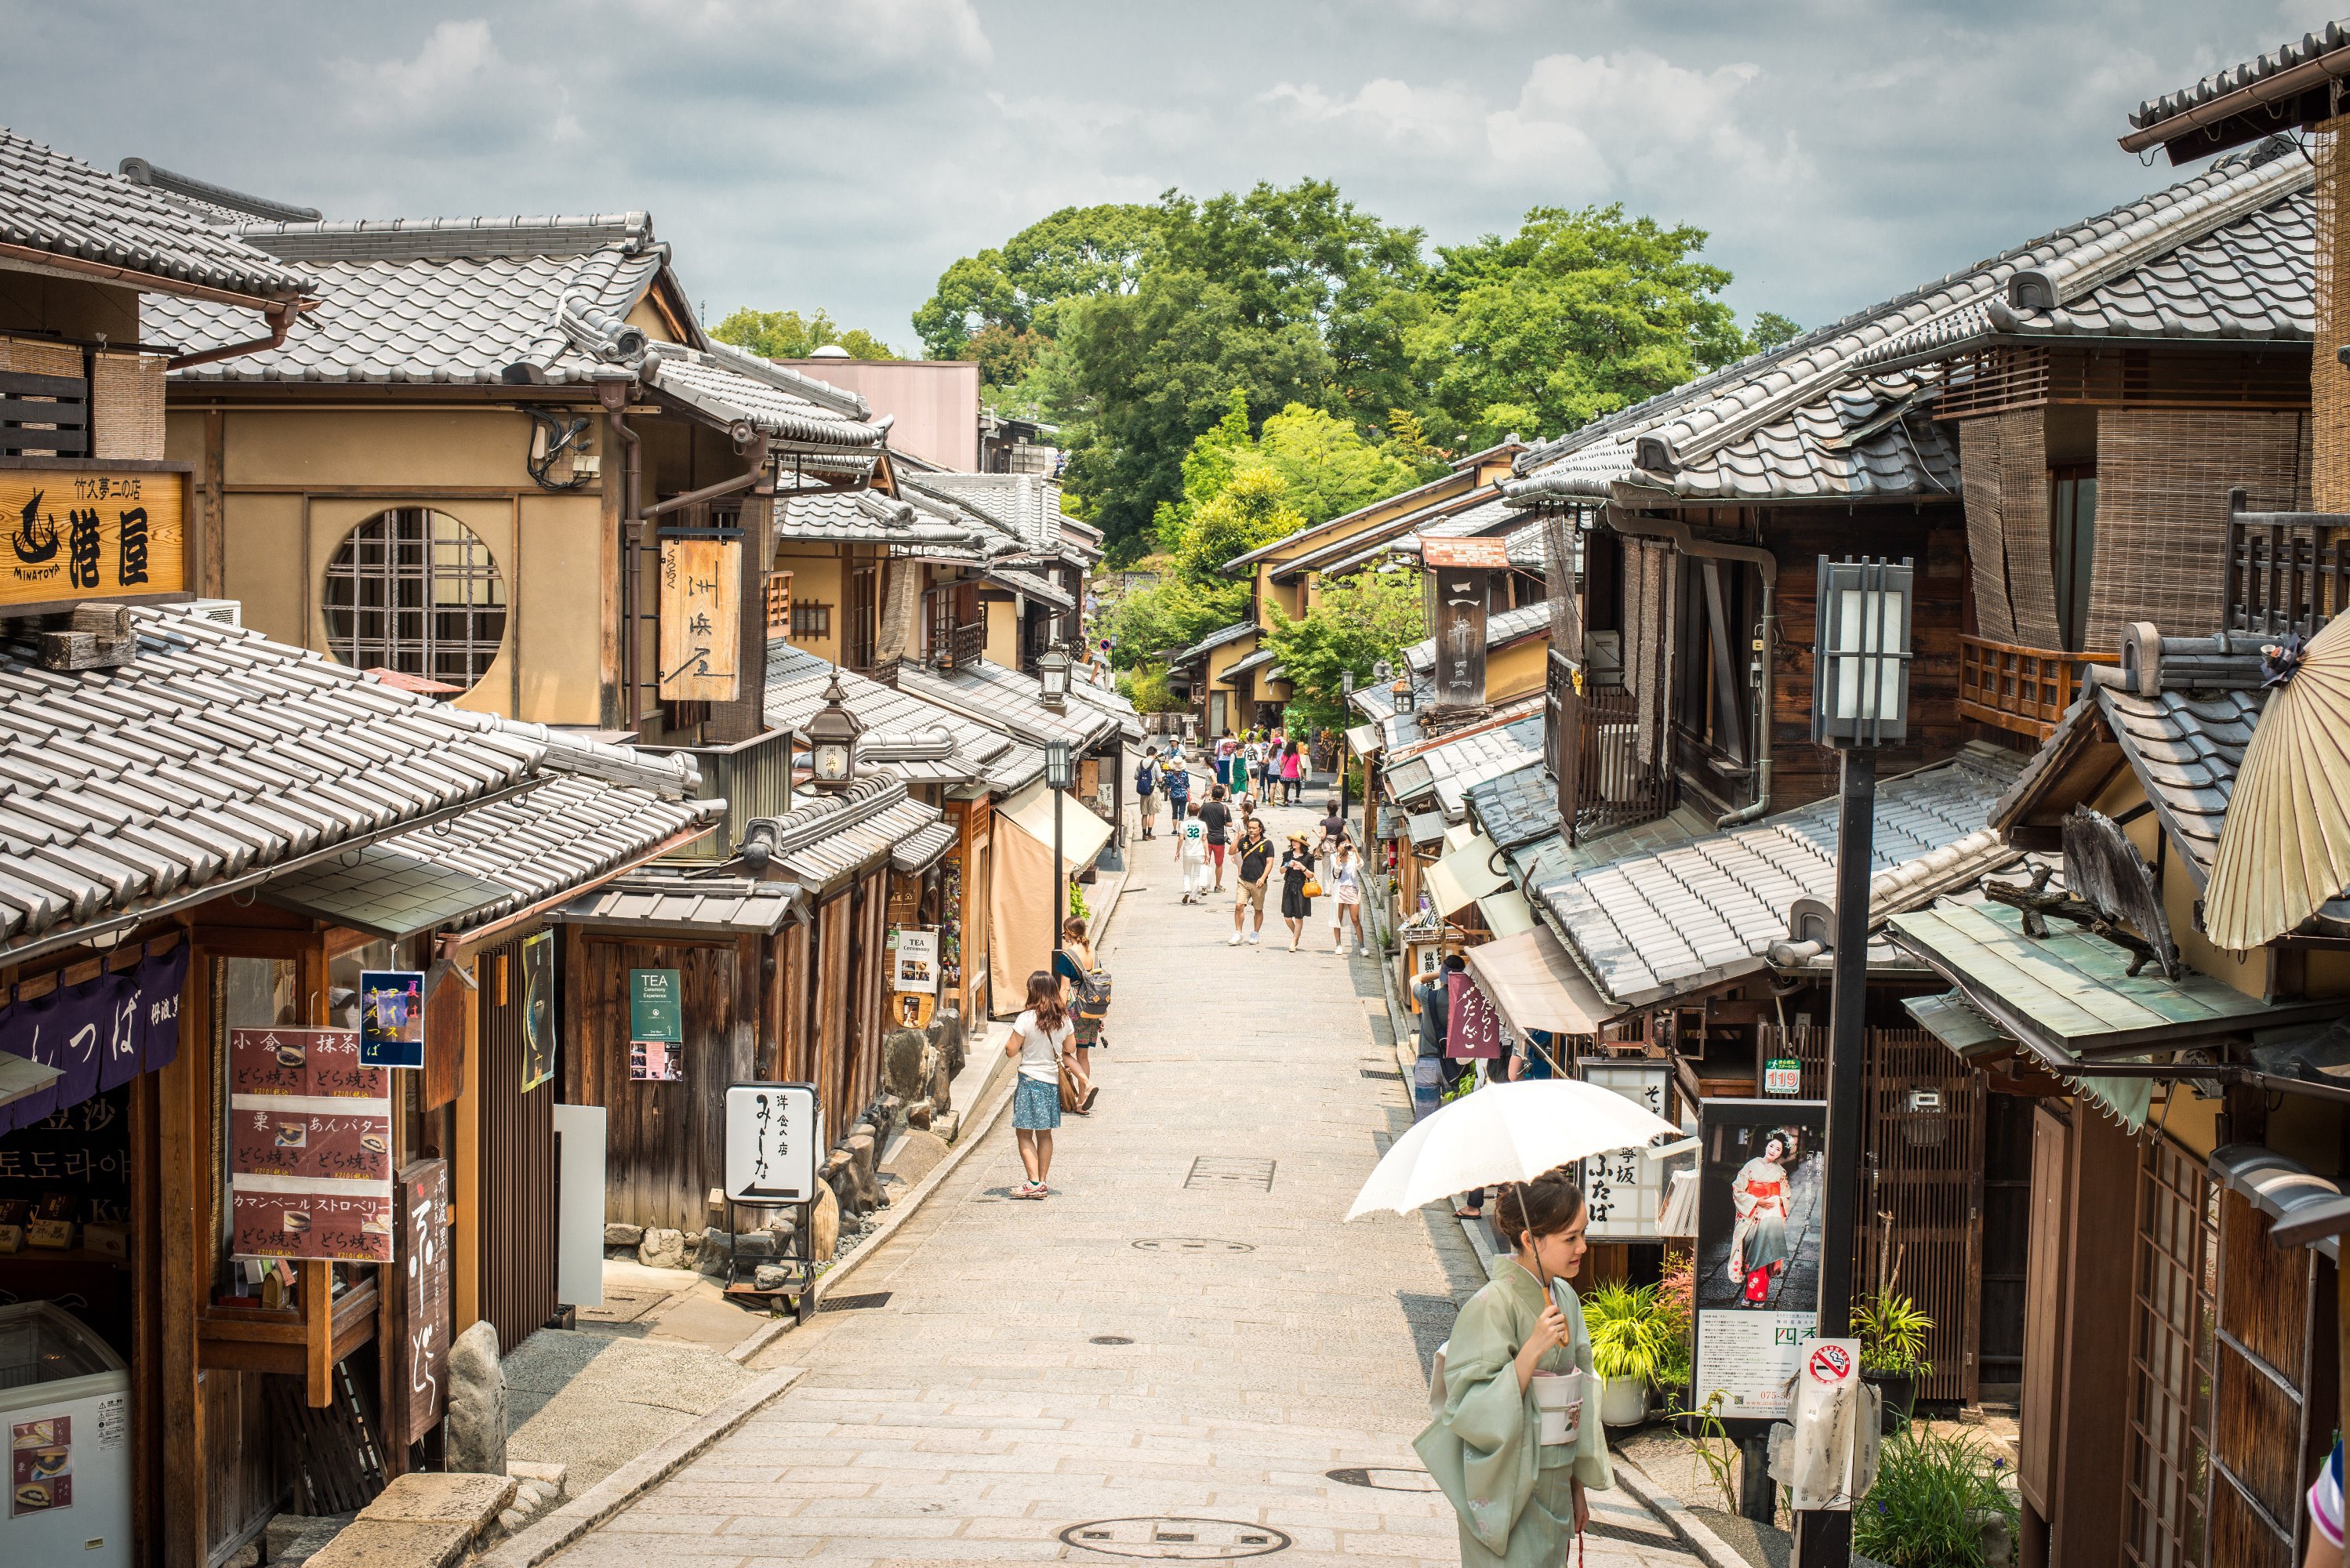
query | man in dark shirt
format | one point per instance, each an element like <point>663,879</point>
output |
<point>1255,857</point>
<point>1218,816</point>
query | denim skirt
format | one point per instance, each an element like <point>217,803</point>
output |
<point>1035,1108</point>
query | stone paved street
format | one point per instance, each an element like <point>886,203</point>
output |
<point>1174,1356</point>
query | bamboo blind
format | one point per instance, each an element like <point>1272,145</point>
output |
<point>2329,380</point>
<point>24,356</point>
<point>126,394</point>
<point>1979,470</point>
<point>2163,478</point>
<point>2023,518</point>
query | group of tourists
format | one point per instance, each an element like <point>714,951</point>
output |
<point>1268,764</point>
<point>1055,1038</point>
<point>1224,832</point>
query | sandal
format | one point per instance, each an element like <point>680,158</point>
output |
<point>1028,1189</point>
<point>1086,1105</point>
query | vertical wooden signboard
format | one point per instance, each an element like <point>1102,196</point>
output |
<point>700,619</point>
<point>1460,574</point>
<point>424,1272</point>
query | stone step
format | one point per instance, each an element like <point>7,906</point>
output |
<point>419,1521</point>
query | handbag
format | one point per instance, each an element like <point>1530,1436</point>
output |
<point>1313,889</point>
<point>1069,1086</point>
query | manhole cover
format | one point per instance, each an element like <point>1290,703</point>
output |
<point>1229,1170</point>
<point>1385,1479</point>
<point>854,1304</point>
<point>1109,1339</point>
<point>1183,1540</point>
<point>1190,1244</point>
<point>1377,1072</point>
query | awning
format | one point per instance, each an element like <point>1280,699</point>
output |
<point>1506,913</point>
<point>1535,984</point>
<point>1028,585</point>
<point>1365,740</point>
<point>921,851</point>
<point>1464,875</point>
<point>1082,832</point>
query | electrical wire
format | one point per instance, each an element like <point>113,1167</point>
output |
<point>562,436</point>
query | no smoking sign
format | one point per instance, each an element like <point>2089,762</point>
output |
<point>1831,1362</point>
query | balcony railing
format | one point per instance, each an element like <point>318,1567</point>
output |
<point>1594,738</point>
<point>45,416</point>
<point>964,646</point>
<point>2287,571</point>
<point>2024,690</point>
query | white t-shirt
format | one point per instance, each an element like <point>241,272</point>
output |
<point>1194,833</point>
<point>1040,1054</point>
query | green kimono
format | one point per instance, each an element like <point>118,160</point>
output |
<point>1513,1495</point>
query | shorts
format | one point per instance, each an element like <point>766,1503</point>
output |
<point>1035,1108</point>
<point>1216,853</point>
<point>1251,894</point>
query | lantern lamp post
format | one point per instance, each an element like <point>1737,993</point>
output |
<point>832,732</point>
<point>1860,700</point>
<point>1052,674</point>
<point>1060,773</point>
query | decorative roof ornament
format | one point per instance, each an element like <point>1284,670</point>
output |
<point>2284,848</point>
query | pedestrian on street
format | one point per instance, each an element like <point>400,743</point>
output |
<point>1521,1501</point>
<point>1191,854</point>
<point>1347,895</point>
<point>1225,748</point>
<point>1038,1036</point>
<point>1072,961</point>
<point>1175,778</point>
<point>1296,876</point>
<point>1217,818</point>
<point>1326,854</point>
<point>1434,995</point>
<point>1292,771</point>
<point>1146,787</point>
<point>1255,869</point>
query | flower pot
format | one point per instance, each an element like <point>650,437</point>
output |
<point>1622,1401</point>
<point>1899,1392</point>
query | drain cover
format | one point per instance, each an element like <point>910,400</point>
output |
<point>1109,1339</point>
<point>1190,1244</point>
<point>854,1304</point>
<point>1183,1540</point>
<point>1229,1170</point>
<point>1385,1479</point>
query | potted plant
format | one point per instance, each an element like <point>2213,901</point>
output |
<point>1676,1297</point>
<point>1892,1335</point>
<point>1632,1341</point>
<point>1937,1502</point>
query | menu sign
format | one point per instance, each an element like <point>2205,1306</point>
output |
<point>310,1147</point>
<point>40,1466</point>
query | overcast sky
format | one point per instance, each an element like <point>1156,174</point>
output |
<point>839,153</point>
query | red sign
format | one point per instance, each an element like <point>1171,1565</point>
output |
<point>337,1147</point>
<point>1831,1363</point>
<point>1472,1030</point>
<point>314,1063</point>
<point>350,1227</point>
<point>310,1147</point>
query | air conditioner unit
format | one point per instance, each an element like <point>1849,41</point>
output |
<point>220,612</point>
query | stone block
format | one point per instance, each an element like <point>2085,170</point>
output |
<point>824,1225</point>
<point>396,1543</point>
<point>711,1251</point>
<point>475,1433</point>
<point>918,1154</point>
<point>918,1115</point>
<point>948,1125</point>
<point>662,1248</point>
<point>538,1470</point>
<point>430,1497</point>
<point>902,1061</point>
<point>295,1538</point>
<point>754,1244</point>
<point>771,1277</point>
<point>623,1235</point>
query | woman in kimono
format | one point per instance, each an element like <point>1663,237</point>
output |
<point>1521,1500</point>
<point>1758,1247</point>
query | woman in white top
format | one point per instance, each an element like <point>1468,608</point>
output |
<point>1039,1035</point>
<point>1347,895</point>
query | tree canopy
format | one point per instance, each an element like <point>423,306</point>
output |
<point>1360,619</point>
<point>788,335</point>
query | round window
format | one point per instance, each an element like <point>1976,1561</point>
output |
<point>416,591</point>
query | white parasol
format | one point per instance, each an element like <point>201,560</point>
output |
<point>1504,1132</point>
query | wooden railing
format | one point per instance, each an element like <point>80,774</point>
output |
<point>2287,571</point>
<point>2026,689</point>
<point>44,415</point>
<point>965,645</point>
<point>1592,743</point>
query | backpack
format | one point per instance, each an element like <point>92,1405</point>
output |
<point>1145,778</point>
<point>1092,994</point>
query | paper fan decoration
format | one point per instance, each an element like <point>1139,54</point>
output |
<point>2284,848</point>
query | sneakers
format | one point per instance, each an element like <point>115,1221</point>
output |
<point>1235,940</point>
<point>1252,938</point>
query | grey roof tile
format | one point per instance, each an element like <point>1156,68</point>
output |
<point>2308,48</point>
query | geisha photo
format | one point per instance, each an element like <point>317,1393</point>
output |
<point>1757,1251</point>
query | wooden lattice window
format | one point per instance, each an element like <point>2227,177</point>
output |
<point>779,604</point>
<point>863,605</point>
<point>417,591</point>
<point>2173,1318</point>
<point>810,619</point>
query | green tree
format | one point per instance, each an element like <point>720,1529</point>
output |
<point>1355,621</point>
<point>788,335</point>
<point>1076,252</point>
<point>1253,509</point>
<point>1329,467</point>
<point>1174,612</point>
<point>1005,354</point>
<point>1578,315</point>
<point>1771,329</point>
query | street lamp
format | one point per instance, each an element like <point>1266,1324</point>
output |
<point>1401,692</point>
<point>832,732</point>
<point>1346,711</point>
<point>1060,773</point>
<point>1052,674</point>
<point>1860,700</point>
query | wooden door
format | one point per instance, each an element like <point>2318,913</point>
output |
<point>515,1233</point>
<point>2044,1312</point>
<point>2006,1244</point>
<point>1920,1202</point>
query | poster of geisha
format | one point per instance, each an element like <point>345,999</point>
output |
<point>1760,1214</point>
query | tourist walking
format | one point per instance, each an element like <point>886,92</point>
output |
<point>1191,854</point>
<point>1255,855</point>
<point>1521,1500</point>
<point>1226,749</point>
<point>1296,878</point>
<point>1217,818</point>
<point>1146,788</point>
<point>1073,964</point>
<point>1038,1037</point>
<point>1292,771</point>
<point>1175,779</point>
<point>1326,854</point>
<point>1347,895</point>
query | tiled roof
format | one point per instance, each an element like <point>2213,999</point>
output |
<point>689,903</point>
<point>1109,700</point>
<point>1246,665</point>
<point>863,517</point>
<point>2305,50</point>
<point>217,755</point>
<point>1500,631</point>
<point>1805,420</point>
<point>1665,922</point>
<point>61,205</point>
<point>1519,807</point>
<point>1009,700</point>
<point>1490,516</point>
<point>1026,505</point>
<point>1208,644</point>
<point>729,387</point>
<point>834,836</point>
<point>795,684</point>
<point>1446,768</point>
<point>919,851</point>
<point>1028,585</point>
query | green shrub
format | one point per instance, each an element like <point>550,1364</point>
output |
<point>1933,1499</point>
<point>1632,1331</point>
<point>1892,1333</point>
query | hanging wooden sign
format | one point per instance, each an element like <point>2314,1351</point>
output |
<point>424,1269</point>
<point>700,619</point>
<point>91,531</point>
<point>1460,624</point>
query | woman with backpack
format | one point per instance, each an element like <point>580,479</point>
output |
<point>1073,964</point>
<point>1296,876</point>
<point>1038,1037</point>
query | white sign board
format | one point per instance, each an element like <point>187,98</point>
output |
<point>916,963</point>
<point>1624,1187</point>
<point>580,1200</point>
<point>774,1135</point>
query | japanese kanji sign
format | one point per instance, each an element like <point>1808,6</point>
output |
<point>90,534</point>
<point>1459,621</point>
<point>700,619</point>
<point>774,1132</point>
<point>310,1147</point>
<point>1624,1186</point>
<point>424,1269</point>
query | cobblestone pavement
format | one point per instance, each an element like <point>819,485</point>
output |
<point>1183,1354</point>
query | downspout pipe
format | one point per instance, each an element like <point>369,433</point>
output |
<point>281,319</point>
<point>1685,540</point>
<point>612,390</point>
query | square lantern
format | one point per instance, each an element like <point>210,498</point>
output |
<point>1060,766</point>
<point>1401,692</point>
<point>1053,673</point>
<point>831,735</point>
<point>1860,690</point>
